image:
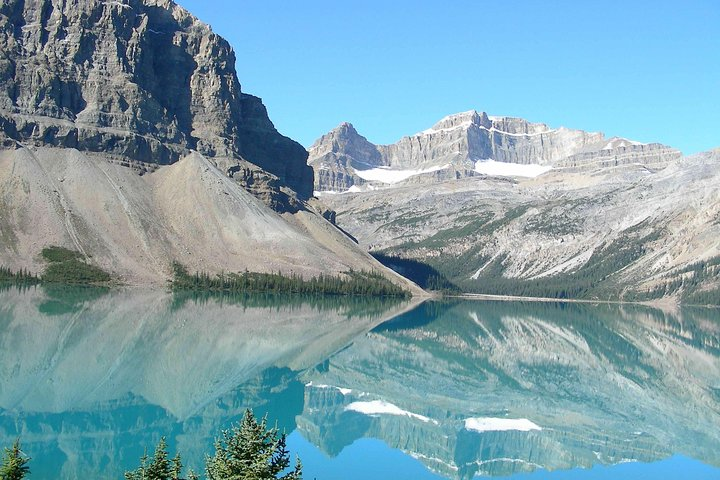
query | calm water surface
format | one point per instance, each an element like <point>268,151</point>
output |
<point>365,389</point>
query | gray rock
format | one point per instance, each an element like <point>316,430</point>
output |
<point>453,146</point>
<point>139,78</point>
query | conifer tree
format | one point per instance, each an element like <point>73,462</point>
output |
<point>250,451</point>
<point>14,464</point>
<point>159,467</point>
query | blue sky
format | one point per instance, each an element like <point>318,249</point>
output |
<point>647,70</point>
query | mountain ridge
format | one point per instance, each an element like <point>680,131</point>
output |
<point>456,146</point>
<point>602,218</point>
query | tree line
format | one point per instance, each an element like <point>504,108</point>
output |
<point>351,283</point>
<point>64,266</point>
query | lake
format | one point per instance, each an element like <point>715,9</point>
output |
<point>365,388</point>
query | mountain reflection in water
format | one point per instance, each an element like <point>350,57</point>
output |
<point>89,379</point>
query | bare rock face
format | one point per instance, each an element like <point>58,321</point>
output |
<point>338,153</point>
<point>143,79</point>
<point>455,146</point>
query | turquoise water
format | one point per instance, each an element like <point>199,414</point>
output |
<point>89,379</point>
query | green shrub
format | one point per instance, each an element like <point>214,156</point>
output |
<point>69,267</point>
<point>60,254</point>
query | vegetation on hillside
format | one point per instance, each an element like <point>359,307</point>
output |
<point>64,266</point>
<point>599,278</point>
<point>21,277</point>
<point>695,284</point>
<point>352,283</point>
<point>596,279</point>
<point>69,267</point>
<point>419,272</point>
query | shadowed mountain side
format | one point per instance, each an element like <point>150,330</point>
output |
<point>136,226</point>
<point>490,388</point>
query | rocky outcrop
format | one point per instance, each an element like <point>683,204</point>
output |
<point>337,155</point>
<point>142,79</point>
<point>455,145</point>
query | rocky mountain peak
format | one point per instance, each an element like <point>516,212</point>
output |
<point>344,131</point>
<point>463,119</point>
<point>457,145</point>
<point>346,127</point>
<point>346,141</point>
<point>143,79</point>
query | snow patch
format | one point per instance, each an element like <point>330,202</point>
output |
<point>117,4</point>
<point>379,407</point>
<point>488,424</point>
<point>344,391</point>
<point>504,169</point>
<point>387,175</point>
<point>617,142</point>
<point>469,123</point>
<point>459,126</point>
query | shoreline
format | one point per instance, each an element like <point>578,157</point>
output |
<point>662,304</point>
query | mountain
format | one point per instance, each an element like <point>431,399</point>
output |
<point>471,144</point>
<point>555,213</point>
<point>126,136</point>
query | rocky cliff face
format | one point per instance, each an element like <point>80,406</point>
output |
<point>142,79</point>
<point>338,154</point>
<point>457,146</point>
<point>89,88</point>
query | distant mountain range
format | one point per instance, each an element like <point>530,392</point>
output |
<point>472,144</point>
<point>501,205</point>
